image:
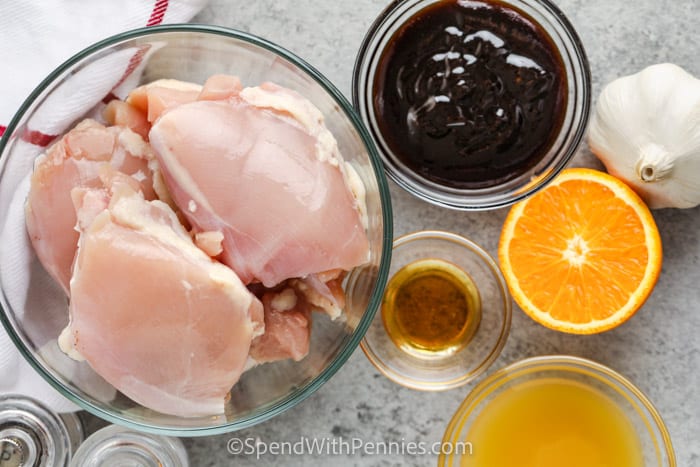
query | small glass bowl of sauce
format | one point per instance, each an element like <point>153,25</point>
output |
<point>474,104</point>
<point>431,308</point>
<point>445,315</point>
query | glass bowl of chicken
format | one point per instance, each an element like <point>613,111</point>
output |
<point>196,229</point>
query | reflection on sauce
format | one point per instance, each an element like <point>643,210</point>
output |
<point>470,94</point>
<point>431,307</point>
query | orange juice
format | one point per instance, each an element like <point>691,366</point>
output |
<point>552,422</point>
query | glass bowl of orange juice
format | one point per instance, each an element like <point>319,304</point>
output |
<point>554,411</point>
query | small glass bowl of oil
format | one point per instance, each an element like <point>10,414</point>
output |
<point>445,315</point>
<point>554,411</point>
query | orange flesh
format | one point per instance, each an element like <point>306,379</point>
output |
<point>581,250</point>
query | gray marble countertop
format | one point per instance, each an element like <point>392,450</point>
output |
<point>658,349</point>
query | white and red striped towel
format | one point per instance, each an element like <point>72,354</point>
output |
<point>37,36</point>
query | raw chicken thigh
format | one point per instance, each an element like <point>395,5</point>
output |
<point>120,113</point>
<point>75,161</point>
<point>196,236</point>
<point>154,98</point>
<point>153,314</point>
<point>324,291</point>
<point>146,103</point>
<point>287,328</point>
<point>259,166</point>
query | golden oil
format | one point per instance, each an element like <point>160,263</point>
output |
<point>431,307</point>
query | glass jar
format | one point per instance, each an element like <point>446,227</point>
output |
<point>31,435</point>
<point>116,446</point>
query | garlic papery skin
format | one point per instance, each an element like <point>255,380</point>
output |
<point>646,130</point>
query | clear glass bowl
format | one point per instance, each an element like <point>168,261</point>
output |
<point>578,78</point>
<point>440,371</point>
<point>34,311</point>
<point>646,421</point>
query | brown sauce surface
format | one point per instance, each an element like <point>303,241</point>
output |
<point>470,94</point>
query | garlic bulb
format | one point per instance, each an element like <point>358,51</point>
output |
<point>646,130</point>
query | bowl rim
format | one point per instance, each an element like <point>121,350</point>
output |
<point>302,392</point>
<point>506,312</point>
<point>420,188</point>
<point>564,363</point>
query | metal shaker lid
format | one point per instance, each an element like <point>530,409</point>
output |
<point>31,435</point>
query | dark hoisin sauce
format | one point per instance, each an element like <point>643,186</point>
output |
<point>470,94</point>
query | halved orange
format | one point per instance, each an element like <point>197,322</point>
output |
<point>582,255</point>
